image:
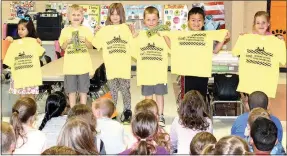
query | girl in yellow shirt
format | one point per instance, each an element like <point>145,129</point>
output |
<point>116,16</point>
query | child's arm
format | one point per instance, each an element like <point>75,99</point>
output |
<point>88,44</point>
<point>66,43</point>
<point>133,31</point>
<point>220,45</point>
<point>167,41</point>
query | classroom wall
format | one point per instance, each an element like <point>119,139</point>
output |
<point>238,14</point>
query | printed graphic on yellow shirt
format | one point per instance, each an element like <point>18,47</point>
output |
<point>151,52</point>
<point>117,45</point>
<point>198,39</point>
<point>23,61</point>
<point>259,57</point>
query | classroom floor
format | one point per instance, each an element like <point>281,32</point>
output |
<point>221,127</point>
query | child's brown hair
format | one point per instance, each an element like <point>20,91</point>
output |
<point>7,137</point>
<point>256,113</point>
<point>231,145</point>
<point>147,104</point>
<point>118,7</point>
<point>199,141</point>
<point>59,150</point>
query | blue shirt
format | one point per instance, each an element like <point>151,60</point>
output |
<point>239,125</point>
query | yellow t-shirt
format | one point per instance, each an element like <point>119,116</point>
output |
<point>77,59</point>
<point>259,63</point>
<point>152,59</point>
<point>115,41</point>
<point>191,51</point>
<point>23,58</point>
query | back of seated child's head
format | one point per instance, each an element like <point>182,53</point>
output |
<point>256,113</point>
<point>84,112</point>
<point>144,127</point>
<point>192,111</point>
<point>199,141</point>
<point>106,107</point>
<point>59,150</point>
<point>161,138</point>
<point>8,139</point>
<point>258,99</point>
<point>231,145</point>
<point>147,104</point>
<point>55,106</point>
<point>264,134</point>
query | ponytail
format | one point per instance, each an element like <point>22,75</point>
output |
<point>17,125</point>
<point>44,121</point>
<point>144,147</point>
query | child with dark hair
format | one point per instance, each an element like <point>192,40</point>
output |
<point>144,127</point>
<point>59,150</point>
<point>192,119</point>
<point>29,139</point>
<point>54,118</point>
<point>23,58</point>
<point>263,136</point>
<point>199,141</point>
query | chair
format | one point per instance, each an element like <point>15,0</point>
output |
<point>224,92</point>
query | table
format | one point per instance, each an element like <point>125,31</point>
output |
<point>53,71</point>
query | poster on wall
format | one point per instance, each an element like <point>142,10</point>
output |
<point>91,16</point>
<point>61,8</point>
<point>214,14</point>
<point>27,6</point>
<point>104,14</point>
<point>175,16</point>
<point>134,14</point>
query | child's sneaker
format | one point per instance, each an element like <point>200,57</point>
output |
<point>161,121</point>
<point>126,117</point>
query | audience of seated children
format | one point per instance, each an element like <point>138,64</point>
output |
<point>256,99</point>
<point>263,136</point>
<point>192,119</point>
<point>199,141</point>
<point>77,134</point>
<point>162,137</point>
<point>144,127</point>
<point>109,130</point>
<point>29,139</point>
<point>254,114</point>
<point>8,140</point>
<point>54,118</point>
<point>85,112</point>
<point>59,150</point>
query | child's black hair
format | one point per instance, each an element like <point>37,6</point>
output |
<point>28,22</point>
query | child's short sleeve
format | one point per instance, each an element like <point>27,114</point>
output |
<point>9,59</point>
<point>281,48</point>
<point>40,50</point>
<point>218,35</point>
<point>63,36</point>
<point>97,41</point>
<point>238,47</point>
<point>88,34</point>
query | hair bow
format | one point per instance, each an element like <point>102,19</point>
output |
<point>24,18</point>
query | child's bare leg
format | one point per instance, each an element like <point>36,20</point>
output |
<point>160,103</point>
<point>83,98</point>
<point>72,99</point>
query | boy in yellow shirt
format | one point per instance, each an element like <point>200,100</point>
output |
<point>75,39</point>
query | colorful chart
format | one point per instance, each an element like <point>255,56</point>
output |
<point>175,16</point>
<point>104,14</point>
<point>91,16</point>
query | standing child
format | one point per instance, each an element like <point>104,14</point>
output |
<point>114,39</point>
<point>192,119</point>
<point>23,58</point>
<point>75,39</point>
<point>152,61</point>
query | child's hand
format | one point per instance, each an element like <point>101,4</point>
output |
<point>242,33</point>
<point>68,41</point>
<point>280,37</point>
<point>227,36</point>
<point>39,41</point>
<point>97,28</point>
<point>9,38</point>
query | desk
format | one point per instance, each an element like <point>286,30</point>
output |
<point>54,71</point>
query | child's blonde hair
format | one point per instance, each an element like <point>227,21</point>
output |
<point>231,145</point>
<point>106,106</point>
<point>199,141</point>
<point>256,113</point>
<point>151,10</point>
<point>261,13</point>
<point>120,11</point>
<point>75,7</point>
